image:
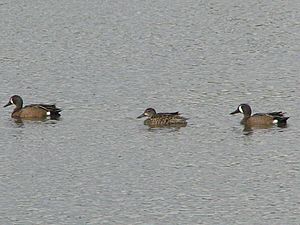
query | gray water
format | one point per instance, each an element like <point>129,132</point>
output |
<point>103,63</point>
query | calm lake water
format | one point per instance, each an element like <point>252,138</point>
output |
<point>103,63</point>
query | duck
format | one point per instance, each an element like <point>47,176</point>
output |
<point>162,119</point>
<point>260,119</point>
<point>33,111</point>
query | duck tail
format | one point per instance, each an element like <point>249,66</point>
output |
<point>282,120</point>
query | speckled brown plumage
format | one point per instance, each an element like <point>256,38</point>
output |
<point>163,119</point>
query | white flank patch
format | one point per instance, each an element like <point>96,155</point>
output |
<point>48,113</point>
<point>240,109</point>
<point>275,121</point>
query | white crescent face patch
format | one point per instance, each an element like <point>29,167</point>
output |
<point>11,101</point>
<point>240,109</point>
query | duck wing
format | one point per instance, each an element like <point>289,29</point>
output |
<point>279,116</point>
<point>168,114</point>
<point>276,113</point>
<point>273,114</point>
<point>47,107</point>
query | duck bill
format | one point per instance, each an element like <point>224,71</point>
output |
<point>234,112</point>
<point>141,116</point>
<point>9,103</point>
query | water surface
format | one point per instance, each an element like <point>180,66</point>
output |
<point>104,63</point>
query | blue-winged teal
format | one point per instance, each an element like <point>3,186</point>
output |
<point>32,111</point>
<point>163,119</point>
<point>259,119</point>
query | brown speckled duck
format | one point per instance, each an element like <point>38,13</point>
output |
<point>163,119</point>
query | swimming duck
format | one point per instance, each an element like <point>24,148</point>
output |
<point>163,119</point>
<point>259,118</point>
<point>33,110</point>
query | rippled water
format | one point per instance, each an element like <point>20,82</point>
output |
<point>104,62</point>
